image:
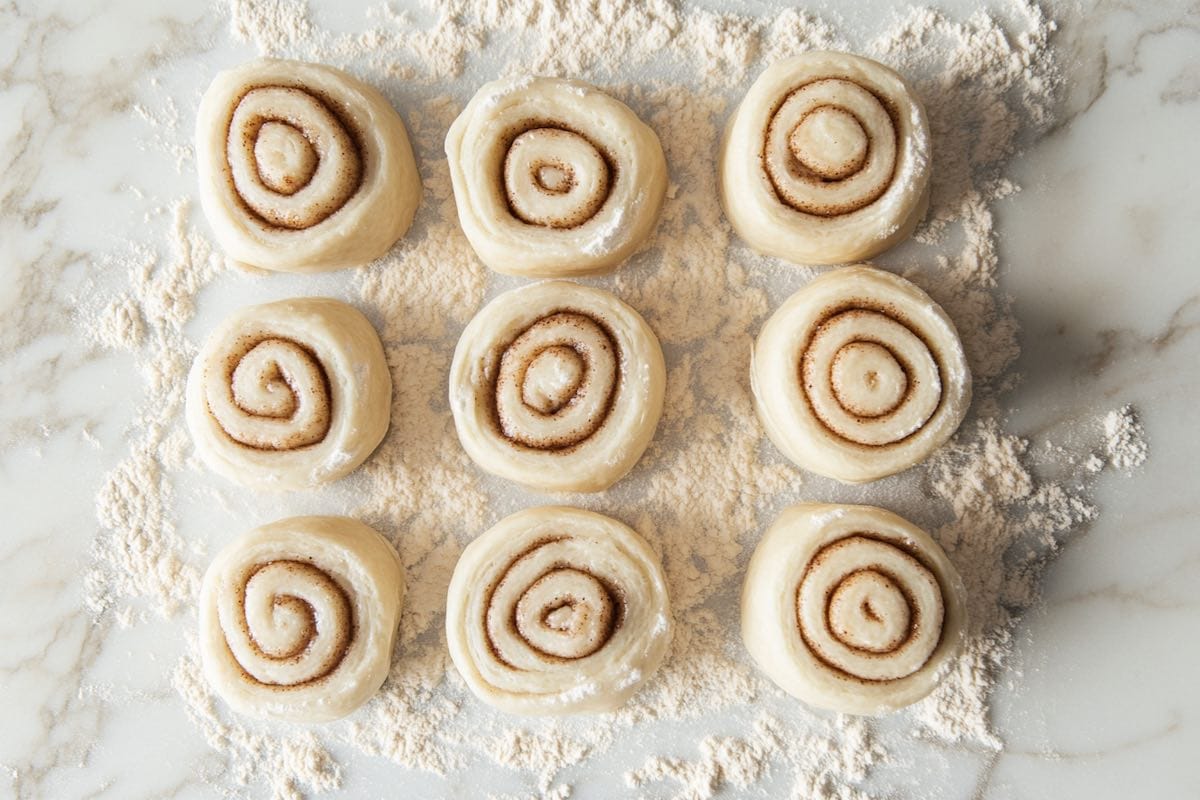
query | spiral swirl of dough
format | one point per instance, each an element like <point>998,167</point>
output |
<point>870,378</point>
<point>557,610</point>
<point>859,375</point>
<point>830,148</point>
<point>289,395</point>
<point>303,168</point>
<point>826,160</point>
<point>556,382</point>
<point>292,161</point>
<point>298,618</point>
<point>273,394</point>
<point>869,609</point>
<point>548,606</point>
<point>557,386</point>
<point>554,178</point>
<point>290,624</point>
<point>852,608</point>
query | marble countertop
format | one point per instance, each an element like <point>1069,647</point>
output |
<point>1099,250</point>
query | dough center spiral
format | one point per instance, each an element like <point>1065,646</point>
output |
<point>292,160</point>
<point>869,609</point>
<point>548,607</point>
<point>830,148</point>
<point>556,382</point>
<point>285,159</point>
<point>869,378</point>
<point>291,624</point>
<point>555,178</point>
<point>565,613</point>
<point>274,395</point>
<point>553,378</point>
<point>830,143</point>
<point>555,610</point>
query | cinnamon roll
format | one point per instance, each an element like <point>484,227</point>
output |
<point>826,160</point>
<point>554,178</point>
<point>852,608</point>
<point>859,375</point>
<point>303,167</point>
<point>289,395</point>
<point>557,386</point>
<point>557,610</point>
<point>298,618</point>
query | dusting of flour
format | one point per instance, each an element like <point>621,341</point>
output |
<point>1124,439</point>
<point>708,485</point>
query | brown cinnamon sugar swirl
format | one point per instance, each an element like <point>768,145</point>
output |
<point>859,375</point>
<point>557,386</point>
<point>303,167</point>
<point>557,610</point>
<point>553,177</point>
<point>290,394</point>
<point>852,608</point>
<point>826,160</point>
<point>298,618</point>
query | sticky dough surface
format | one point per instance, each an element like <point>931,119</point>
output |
<point>826,160</point>
<point>557,610</point>
<point>303,167</point>
<point>290,394</point>
<point>554,178</point>
<point>557,386</point>
<point>852,608</point>
<point>298,618</point>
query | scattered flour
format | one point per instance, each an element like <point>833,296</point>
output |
<point>1124,439</point>
<point>824,767</point>
<point>139,553</point>
<point>708,485</point>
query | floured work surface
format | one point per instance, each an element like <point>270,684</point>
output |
<point>710,482</point>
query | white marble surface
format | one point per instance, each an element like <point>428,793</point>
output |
<point>1102,700</point>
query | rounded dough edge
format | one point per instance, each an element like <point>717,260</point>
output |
<point>341,539</point>
<point>370,222</point>
<point>768,608</point>
<point>353,435</point>
<point>610,453</point>
<point>784,412</point>
<point>508,246</point>
<point>771,227</point>
<point>610,693</point>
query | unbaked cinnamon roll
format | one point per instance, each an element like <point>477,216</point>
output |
<point>826,160</point>
<point>554,178</point>
<point>298,618</point>
<point>557,610</point>
<point>852,608</point>
<point>289,395</point>
<point>859,375</point>
<point>557,386</point>
<point>303,167</point>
